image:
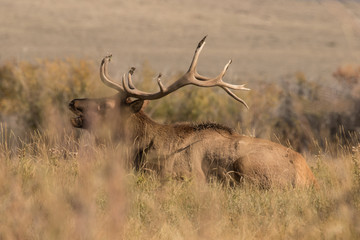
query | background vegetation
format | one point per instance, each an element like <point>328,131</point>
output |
<point>293,110</point>
<point>56,183</point>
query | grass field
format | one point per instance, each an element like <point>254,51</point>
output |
<point>62,188</point>
<point>58,183</point>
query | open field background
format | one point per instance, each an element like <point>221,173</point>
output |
<point>264,38</point>
<point>300,58</point>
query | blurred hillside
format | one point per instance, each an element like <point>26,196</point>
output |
<point>266,39</point>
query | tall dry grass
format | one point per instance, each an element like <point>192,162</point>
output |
<point>58,183</point>
<point>67,188</point>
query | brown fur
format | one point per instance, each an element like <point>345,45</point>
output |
<point>202,151</point>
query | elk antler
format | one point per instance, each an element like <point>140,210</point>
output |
<point>104,76</point>
<point>190,77</point>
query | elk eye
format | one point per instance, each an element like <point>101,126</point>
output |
<point>102,107</point>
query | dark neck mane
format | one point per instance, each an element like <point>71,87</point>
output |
<point>145,129</point>
<point>214,126</point>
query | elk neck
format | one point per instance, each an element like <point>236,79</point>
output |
<point>142,129</point>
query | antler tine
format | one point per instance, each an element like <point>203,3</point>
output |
<point>218,81</point>
<point>161,86</point>
<point>131,72</point>
<point>195,59</point>
<point>104,75</point>
<point>129,87</point>
<point>133,92</point>
<point>236,97</point>
<point>221,82</point>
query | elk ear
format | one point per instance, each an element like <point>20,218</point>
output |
<point>136,105</point>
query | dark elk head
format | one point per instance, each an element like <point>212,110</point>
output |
<point>92,113</point>
<point>114,111</point>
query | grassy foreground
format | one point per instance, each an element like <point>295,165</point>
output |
<point>59,184</point>
<point>56,187</point>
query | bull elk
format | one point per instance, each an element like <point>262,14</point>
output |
<point>202,151</point>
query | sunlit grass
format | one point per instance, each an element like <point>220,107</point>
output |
<point>50,190</point>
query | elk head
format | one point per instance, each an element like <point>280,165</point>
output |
<point>114,111</point>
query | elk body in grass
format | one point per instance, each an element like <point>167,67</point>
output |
<point>181,150</point>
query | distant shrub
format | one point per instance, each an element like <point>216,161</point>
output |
<point>348,73</point>
<point>29,92</point>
